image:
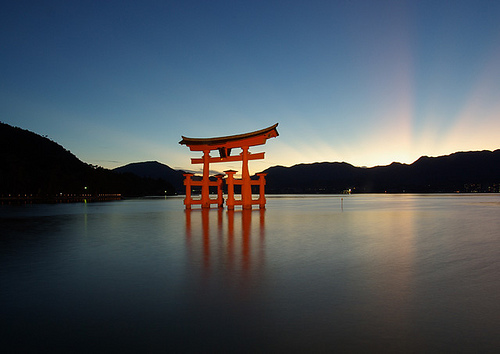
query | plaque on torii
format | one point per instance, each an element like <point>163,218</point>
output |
<point>224,146</point>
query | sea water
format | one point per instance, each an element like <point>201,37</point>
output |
<point>347,273</point>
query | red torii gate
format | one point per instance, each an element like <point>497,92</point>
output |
<point>224,145</point>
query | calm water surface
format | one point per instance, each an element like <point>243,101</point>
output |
<point>392,273</point>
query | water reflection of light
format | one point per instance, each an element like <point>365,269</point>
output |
<point>227,242</point>
<point>390,253</point>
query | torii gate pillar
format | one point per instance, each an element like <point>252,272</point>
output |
<point>224,145</point>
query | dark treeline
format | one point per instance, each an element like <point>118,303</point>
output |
<point>34,165</point>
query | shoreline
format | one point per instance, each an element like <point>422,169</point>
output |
<point>61,198</point>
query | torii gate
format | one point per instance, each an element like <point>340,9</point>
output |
<point>224,145</point>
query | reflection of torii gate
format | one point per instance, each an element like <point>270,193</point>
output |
<point>224,146</point>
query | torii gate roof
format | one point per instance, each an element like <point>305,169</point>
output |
<point>257,137</point>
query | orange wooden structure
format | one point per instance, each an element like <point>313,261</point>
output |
<point>224,145</point>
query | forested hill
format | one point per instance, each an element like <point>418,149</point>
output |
<point>34,165</point>
<point>476,171</point>
<point>155,170</point>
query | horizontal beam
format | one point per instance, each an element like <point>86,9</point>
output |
<point>198,201</point>
<point>257,156</point>
<point>253,182</point>
<point>253,201</point>
<point>201,183</point>
<point>231,144</point>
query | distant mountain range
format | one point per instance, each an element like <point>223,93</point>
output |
<point>32,164</point>
<point>475,171</point>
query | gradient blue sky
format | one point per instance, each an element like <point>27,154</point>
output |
<point>366,82</point>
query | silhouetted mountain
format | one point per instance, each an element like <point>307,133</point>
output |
<point>155,170</point>
<point>34,165</point>
<point>476,171</point>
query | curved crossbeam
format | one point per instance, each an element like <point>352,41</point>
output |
<point>257,137</point>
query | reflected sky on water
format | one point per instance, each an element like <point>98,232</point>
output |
<point>354,272</point>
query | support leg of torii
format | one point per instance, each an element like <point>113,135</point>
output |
<point>246,188</point>
<point>187,183</point>
<point>230,189</point>
<point>220,198</point>
<point>205,196</point>
<point>262,193</point>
